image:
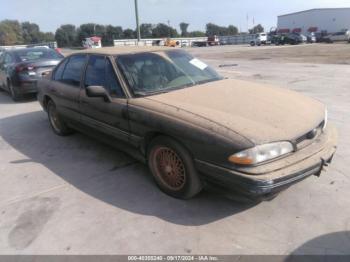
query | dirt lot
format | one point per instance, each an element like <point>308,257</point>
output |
<point>315,53</point>
<point>73,195</point>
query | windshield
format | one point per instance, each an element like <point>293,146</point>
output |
<point>149,73</point>
<point>32,54</point>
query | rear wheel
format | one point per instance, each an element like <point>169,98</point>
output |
<point>56,121</point>
<point>173,169</point>
<point>13,91</point>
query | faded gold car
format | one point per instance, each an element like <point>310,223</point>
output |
<point>193,127</point>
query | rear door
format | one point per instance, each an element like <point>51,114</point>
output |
<point>65,87</point>
<point>107,117</point>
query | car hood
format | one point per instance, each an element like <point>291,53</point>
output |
<point>258,112</point>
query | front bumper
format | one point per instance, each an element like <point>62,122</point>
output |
<point>271,178</point>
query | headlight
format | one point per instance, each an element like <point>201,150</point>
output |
<point>325,119</point>
<point>261,153</point>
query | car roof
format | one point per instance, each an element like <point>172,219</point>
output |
<point>124,50</point>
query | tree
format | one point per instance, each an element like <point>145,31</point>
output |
<point>213,29</point>
<point>163,30</point>
<point>31,33</point>
<point>196,34</point>
<point>129,34</point>
<point>66,36</point>
<point>232,30</point>
<point>257,29</point>
<point>85,31</point>
<point>146,30</point>
<point>47,37</point>
<point>10,32</point>
<point>184,28</point>
<point>111,33</point>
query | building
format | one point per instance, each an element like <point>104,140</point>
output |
<point>323,20</point>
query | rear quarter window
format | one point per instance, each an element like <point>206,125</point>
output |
<point>73,70</point>
<point>58,73</point>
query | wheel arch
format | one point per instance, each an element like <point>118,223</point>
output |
<point>46,100</point>
<point>152,135</point>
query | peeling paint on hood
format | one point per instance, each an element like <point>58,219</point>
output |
<point>261,113</point>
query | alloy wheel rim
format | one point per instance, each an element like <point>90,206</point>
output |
<point>54,118</point>
<point>170,168</point>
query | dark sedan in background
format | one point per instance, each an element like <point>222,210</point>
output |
<point>20,69</point>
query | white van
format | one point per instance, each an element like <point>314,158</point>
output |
<point>260,39</point>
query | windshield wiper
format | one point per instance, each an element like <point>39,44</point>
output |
<point>161,91</point>
<point>208,80</point>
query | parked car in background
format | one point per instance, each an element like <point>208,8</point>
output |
<point>260,39</point>
<point>339,36</point>
<point>213,40</point>
<point>283,39</point>
<point>296,38</point>
<point>21,68</point>
<point>189,124</point>
<point>311,38</point>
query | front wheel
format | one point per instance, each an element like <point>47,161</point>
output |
<point>56,121</point>
<point>173,169</point>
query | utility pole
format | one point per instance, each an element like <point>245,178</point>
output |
<point>169,29</point>
<point>137,22</point>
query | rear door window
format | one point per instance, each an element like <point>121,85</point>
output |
<point>73,70</point>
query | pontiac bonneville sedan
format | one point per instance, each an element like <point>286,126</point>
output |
<point>191,126</point>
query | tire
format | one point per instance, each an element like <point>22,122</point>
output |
<point>172,168</point>
<point>13,92</point>
<point>56,121</point>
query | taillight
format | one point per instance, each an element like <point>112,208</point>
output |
<point>21,68</point>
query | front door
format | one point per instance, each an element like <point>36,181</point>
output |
<point>107,117</point>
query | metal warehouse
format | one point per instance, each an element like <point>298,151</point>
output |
<point>325,20</point>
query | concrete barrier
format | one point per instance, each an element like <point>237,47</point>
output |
<point>183,41</point>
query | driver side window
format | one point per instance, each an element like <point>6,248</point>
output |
<point>100,72</point>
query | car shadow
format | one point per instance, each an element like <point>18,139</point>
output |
<point>106,173</point>
<point>330,247</point>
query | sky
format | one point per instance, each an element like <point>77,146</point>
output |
<point>50,14</point>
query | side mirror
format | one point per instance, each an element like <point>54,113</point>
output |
<point>98,91</point>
